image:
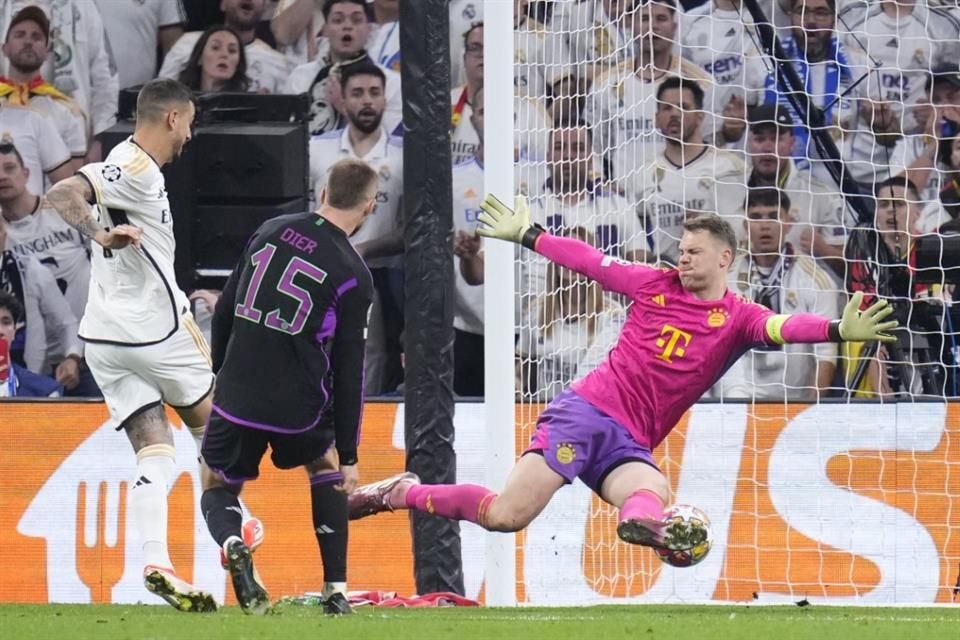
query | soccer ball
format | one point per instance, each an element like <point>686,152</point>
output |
<point>687,537</point>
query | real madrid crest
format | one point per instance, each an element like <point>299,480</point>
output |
<point>384,173</point>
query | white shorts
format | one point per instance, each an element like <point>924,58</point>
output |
<point>176,371</point>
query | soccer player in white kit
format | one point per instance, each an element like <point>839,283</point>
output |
<point>143,346</point>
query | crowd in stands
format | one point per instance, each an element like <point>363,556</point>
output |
<point>629,115</point>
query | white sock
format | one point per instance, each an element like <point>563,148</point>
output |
<point>197,433</point>
<point>330,588</point>
<point>156,469</point>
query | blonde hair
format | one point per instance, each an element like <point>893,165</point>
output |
<point>557,304</point>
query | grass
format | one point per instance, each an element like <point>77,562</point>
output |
<point>121,622</point>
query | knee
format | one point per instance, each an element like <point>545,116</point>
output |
<point>505,518</point>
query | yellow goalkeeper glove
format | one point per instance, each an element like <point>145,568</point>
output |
<point>866,326</point>
<point>503,223</point>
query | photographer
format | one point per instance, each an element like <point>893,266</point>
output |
<point>882,261</point>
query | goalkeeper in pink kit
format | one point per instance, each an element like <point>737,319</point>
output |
<point>683,331</point>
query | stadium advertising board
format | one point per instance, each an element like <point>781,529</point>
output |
<point>850,503</point>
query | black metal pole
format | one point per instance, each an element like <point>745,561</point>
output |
<point>428,243</point>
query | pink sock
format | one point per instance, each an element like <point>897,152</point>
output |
<point>642,504</point>
<point>458,501</point>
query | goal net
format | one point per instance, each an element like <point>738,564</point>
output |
<point>828,473</point>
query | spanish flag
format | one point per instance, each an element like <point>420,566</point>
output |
<point>19,93</point>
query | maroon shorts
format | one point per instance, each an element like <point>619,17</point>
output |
<point>579,441</point>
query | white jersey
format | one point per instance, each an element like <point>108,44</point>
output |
<point>907,49</point>
<point>467,194</point>
<point>540,58</point>
<point>133,298</point>
<point>135,26</point>
<point>531,129</point>
<point>267,68</point>
<point>37,140</point>
<point>721,44</point>
<point>621,109</point>
<point>714,182</point>
<point>300,51</point>
<point>788,372</point>
<point>62,249</point>
<point>386,158</point>
<point>569,351</point>
<point>384,45</point>
<point>68,119</point>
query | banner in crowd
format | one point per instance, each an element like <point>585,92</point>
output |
<point>857,503</point>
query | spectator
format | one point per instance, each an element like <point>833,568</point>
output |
<point>384,44</point>
<point>773,274</point>
<point>82,65</point>
<point>16,381</point>
<point>688,177</point>
<point>380,240</point>
<point>716,38</point>
<point>46,341</point>
<point>348,31</point>
<point>26,50</point>
<point>622,105</point>
<point>296,26</point>
<point>463,15</point>
<point>463,137</point>
<point>267,69</point>
<point>468,346</point>
<point>143,26</point>
<point>575,328</point>
<point>540,57</point>
<point>816,211</point>
<point>217,63</point>
<point>827,68</point>
<point>598,35</point>
<point>950,191</point>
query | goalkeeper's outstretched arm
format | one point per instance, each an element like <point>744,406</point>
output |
<point>513,225</point>
<point>853,326</point>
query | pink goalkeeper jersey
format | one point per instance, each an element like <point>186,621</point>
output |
<point>673,346</point>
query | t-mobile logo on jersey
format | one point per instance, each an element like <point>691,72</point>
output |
<point>671,344</point>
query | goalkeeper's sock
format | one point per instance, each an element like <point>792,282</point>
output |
<point>156,471</point>
<point>221,509</point>
<point>330,524</point>
<point>468,502</point>
<point>643,504</point>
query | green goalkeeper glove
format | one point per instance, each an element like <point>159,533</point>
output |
<point>513,225</point>
<point>855,326</point>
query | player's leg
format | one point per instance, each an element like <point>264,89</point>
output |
<point>185,379</point>
<point>640,491</point>
<point>234,454</point>
<point>329,509</point>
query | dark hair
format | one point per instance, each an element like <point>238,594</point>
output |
<point>9,302</point>
<point>768,197</point>
<point>8,148</point>
<point>715,226</point>
<point>670,4</point>
<point>192,73</point>
<point>328,7</point>
<point>362,67</point>
<point>677,82</point>
<point>348,183</point>
<point>473,27</point>
<point>157,96</point>
<point>830,3</point>
<point>561,123</point>
<point>897,181</point>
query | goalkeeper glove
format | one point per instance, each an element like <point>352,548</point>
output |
<point>857,326</point>
<point>513,225</point>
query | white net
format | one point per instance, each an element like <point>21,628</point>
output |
<point>810,494</point>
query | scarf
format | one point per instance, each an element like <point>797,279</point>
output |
<point>836,80</point>
<point>766,288</point>
<point>19,93</point>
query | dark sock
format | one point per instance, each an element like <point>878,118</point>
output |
<point>221,509</point>
<point>330,524</point>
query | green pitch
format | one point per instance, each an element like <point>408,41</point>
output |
<point>115,622</point>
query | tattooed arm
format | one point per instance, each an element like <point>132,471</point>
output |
<point>71,199</point>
